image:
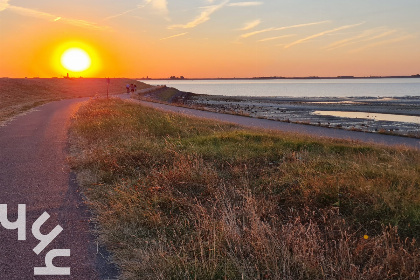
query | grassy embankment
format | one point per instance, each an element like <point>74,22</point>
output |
<point>184,198</point>
<point>171,96</point>
<point>20,95</point>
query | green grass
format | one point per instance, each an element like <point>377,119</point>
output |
<point>166,94</point>
<point>185,198</point>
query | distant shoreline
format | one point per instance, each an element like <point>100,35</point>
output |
<point>232,78</point>
<point>282,78</point>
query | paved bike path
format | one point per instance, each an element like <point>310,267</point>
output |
<point>34,171</point>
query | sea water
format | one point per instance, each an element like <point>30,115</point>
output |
<point>384,87</point>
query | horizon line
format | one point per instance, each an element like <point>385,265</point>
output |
<point>229,78</point>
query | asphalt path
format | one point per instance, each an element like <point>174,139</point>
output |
<point>373,138</point>
<point>33,171</point>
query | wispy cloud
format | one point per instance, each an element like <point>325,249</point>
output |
<point>384,34</point>
<point>123,13</point>
<point>161,6</point>
<point>250,25</point>
<point>174,36</point>
<point>246,35</point>
<point>347,41</point>
<point>4,4</point>
<point>51,17</point>
<point>365,36</point>
<point>245,4</point>
<point>321,34</point>
<point>202,18</point>
<point>31,13</point>
<point>277,37</point>
<point>384,42</point>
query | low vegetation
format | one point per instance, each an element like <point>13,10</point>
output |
<point>20,95</point>
<point>186,198</point>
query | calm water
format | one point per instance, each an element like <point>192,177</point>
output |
<point>299,88</point>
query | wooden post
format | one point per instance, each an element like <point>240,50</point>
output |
<point>108,81</point>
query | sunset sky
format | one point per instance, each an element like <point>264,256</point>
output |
<point>211,38</point>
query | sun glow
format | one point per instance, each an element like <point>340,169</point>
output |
<point>76,60</point>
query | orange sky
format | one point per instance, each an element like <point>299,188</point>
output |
<point>210,38</point>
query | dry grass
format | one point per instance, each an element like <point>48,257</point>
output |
<point>20,95</point>
<point>184,198</point>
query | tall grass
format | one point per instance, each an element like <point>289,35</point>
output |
<point>185,198</point>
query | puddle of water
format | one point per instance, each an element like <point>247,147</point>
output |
<point>370,116</point>
<point>386,99</point>
<point>336,102</point>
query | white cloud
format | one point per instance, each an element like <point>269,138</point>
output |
<point>174,36</point>
<point>250,25</point>
<point>202,18</point>
<point>321,34</point>
<point>245,4</point>
<point>281,28</point>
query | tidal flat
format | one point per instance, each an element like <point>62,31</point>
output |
<point>396,115</point>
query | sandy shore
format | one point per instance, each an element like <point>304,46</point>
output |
<point>320,111</point>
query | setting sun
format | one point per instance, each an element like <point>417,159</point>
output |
<point>75,59</point>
